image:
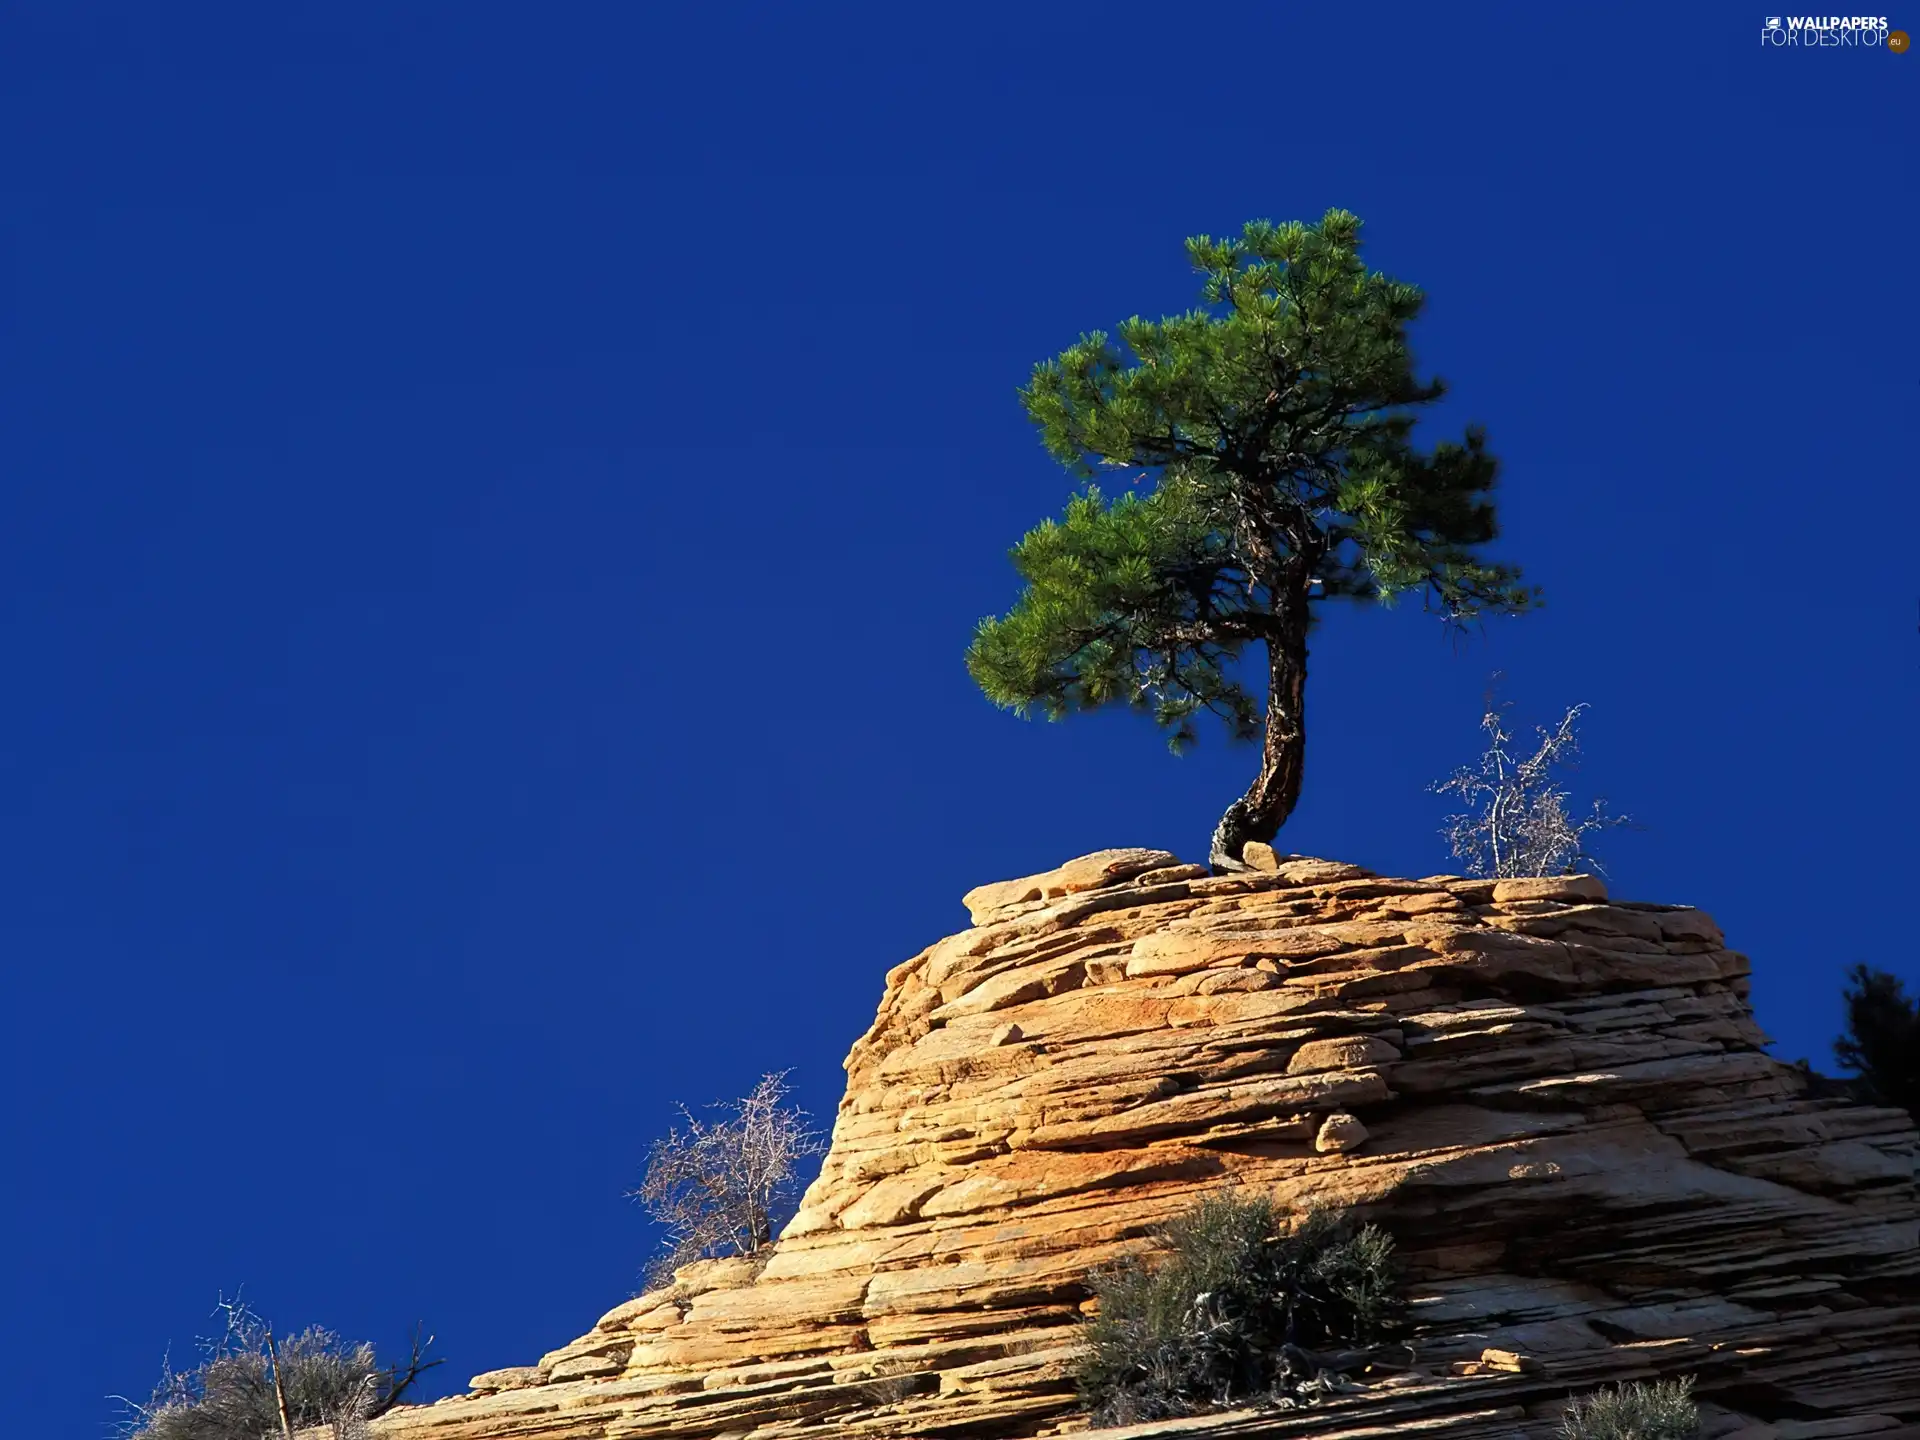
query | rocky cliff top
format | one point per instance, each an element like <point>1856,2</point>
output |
<point>1558,1104</point>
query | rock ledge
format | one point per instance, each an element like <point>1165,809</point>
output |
<point>1559,1105</point>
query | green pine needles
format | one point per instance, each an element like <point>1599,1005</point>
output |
<point>1266,443</point>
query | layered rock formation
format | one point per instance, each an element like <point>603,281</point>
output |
<point>1558,1105</point>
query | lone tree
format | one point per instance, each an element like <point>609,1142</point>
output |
<point>1882,1042</point>
<point>1273,426</point>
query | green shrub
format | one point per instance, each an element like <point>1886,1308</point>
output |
<point>1639,1411</point>
<point>1223,1315</point>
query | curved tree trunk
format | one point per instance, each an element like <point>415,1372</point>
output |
<point>1259,814</point>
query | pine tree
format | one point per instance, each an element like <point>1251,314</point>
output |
<point>1882,1043</point>
<point>1268,433</point>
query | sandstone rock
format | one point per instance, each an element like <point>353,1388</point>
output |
<point>1014,987</point>
<point>586,1367</point>
<point>1832,1429</point>
<point>1340,1133</point>
<point>1348,1053</point>
<point>722,1273</point>
<point>513,1377</point>
<point>1088,872</point>
<point>1171,874</point>
<point>1550,887</point>
<point>1304,870</point>
<point>1260,856</point>
<point>1564,1116</point>
<point>639,1312</point>
<point>892,1201</point>
<point>1688,925</point>
<point>1508,1361</point>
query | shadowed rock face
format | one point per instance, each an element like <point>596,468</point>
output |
<point>1558,1106</point>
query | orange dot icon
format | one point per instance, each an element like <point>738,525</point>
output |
<point>1898,42</point>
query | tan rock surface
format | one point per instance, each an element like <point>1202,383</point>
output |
<point>1340,1133</point>
<point>1556,1103</point>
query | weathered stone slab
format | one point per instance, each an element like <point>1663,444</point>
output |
<point>1088,872</point>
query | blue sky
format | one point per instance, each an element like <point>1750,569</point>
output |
<point>495,497</point>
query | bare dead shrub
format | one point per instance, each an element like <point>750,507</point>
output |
<point>1638,1411</point>
<point>252,1385</point>
<point>719,1188</point>
<point>1518,820</point>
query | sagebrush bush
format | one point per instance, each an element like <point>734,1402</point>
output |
<point>1209,1320</point>
<point>231,1394</point>
<point>1637,1411</point>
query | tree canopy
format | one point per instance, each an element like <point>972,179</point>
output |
<point>1264,441</point>
<point>1882,1040</point>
